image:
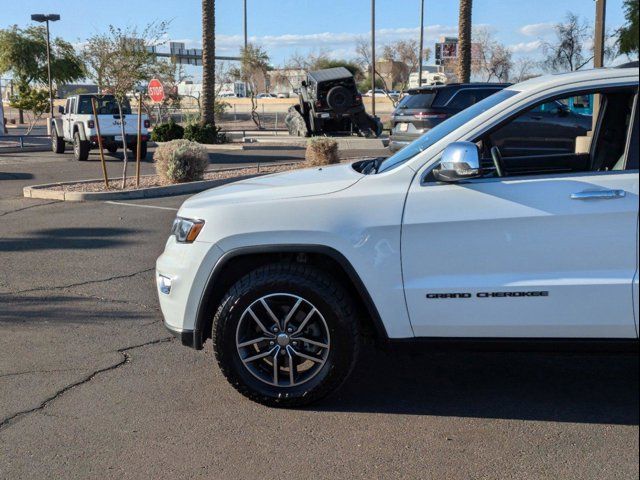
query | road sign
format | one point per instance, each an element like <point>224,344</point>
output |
<point>156,90</point>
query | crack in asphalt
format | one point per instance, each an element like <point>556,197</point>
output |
<point>126,358</point>
<point>79,284</point>
<point>28,207</point>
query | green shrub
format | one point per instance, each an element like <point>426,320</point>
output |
<point>180,161</point>
<point>166,132</point>
<point>204,133</point>
<point>321,151</point>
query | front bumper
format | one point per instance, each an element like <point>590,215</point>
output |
<point>182,274</point>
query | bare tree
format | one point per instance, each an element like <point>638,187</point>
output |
<point>566,52</point>
<point>363,53</point>
<point>523,69</point>
<point>121,62</point>
<point>407,52</point>
<point>494,60</point>
<point>254,64</point>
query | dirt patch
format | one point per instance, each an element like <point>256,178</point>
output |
<point>147,181</point>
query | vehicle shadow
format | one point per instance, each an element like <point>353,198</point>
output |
<point>15,176</point>
<point>65,309</point>
<point>524,386</point>
<point>68,239</point>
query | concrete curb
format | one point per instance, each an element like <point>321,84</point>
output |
<point>44,191</point>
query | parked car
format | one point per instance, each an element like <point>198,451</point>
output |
<point>379,93</point>
<point>329,103</point>
<point>265,95</point>
<point>422,109</point>
<point>229,95</point>
<point>76,125</point>
<point>449,242</point>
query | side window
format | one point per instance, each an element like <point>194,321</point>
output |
<point>72,106</point>
<point>463,99</point>
<point>67,106</point>
<point>552,137</point>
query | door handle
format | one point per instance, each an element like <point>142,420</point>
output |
<point>598,195</point>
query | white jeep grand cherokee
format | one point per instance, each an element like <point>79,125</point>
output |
<point>464,236</point>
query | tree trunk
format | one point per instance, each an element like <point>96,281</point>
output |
<point>124,146</point>
<point>208,62</point>
<point>464,42</point>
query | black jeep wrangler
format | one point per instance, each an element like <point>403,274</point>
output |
<point>329,103</point>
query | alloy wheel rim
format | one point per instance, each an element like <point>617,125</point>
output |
<point>282,340</point>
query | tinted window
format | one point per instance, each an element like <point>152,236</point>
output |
<point>418,100</point>
<point>106,105</point>
<point>443,129</point>
<point>467,97</point>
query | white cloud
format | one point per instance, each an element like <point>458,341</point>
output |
<point>526,47</point>
<point>537,29</point>
<point>342,42</point>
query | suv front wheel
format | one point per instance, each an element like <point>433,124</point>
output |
<point>286,335</point>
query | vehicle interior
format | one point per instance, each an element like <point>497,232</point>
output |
<point>601,149</point>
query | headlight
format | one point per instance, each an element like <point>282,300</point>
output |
<point>186,230</point>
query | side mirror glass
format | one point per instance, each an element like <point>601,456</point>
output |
<point>60,109</point>
<point>460,161</point>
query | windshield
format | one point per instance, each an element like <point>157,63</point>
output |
<point>443,129</point>
<point>105,105</point>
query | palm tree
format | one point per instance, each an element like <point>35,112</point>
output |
<point>208,62</point>
<point>464,42</point>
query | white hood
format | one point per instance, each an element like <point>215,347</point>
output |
<point>297,183</point>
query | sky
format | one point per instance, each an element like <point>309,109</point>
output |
<point>285,27</point>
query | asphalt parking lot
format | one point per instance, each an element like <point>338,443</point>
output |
<point>91,385</point>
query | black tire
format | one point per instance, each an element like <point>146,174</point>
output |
<point>80,148</point>
<point>57,143</point>
<point>112,148</point>
<point>143,151</point>
<point>336,310</point>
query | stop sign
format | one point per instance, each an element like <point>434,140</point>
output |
<point>156,90</point>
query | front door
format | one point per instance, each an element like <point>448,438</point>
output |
<point>549,255</point>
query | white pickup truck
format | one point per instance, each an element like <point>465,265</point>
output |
<point>76,125</point>
<point>447,242</point>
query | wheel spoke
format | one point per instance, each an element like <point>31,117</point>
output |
<point>257,320</point>
<point>260,355</point>
<point>304,322</point>
<point>275,366</point>
<point>292,367</point>
<point>252,342</point>
<point>270,312</point>
<point>291,313</point>
<point>308,357</point>
<point>312,342</point>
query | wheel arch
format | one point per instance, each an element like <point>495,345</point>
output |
<point>79,127</point>
<point>235,263</point>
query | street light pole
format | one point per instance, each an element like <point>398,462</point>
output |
<point>421,43</point>
<point>373,57</point>
<point>245,24</point>
<point>53,17</point>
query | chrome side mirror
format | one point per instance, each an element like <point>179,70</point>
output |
<point>460,161</point>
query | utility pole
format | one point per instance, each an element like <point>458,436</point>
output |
<point>373,57</point>
<point>421,43</point>
<point>598,41</point>
<point>598,53</point>
<point>52,17</point>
